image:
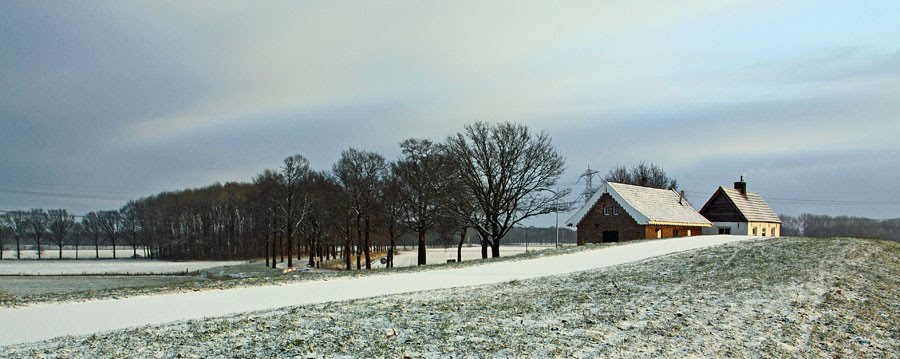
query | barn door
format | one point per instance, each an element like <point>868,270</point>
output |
<point>610,236</point>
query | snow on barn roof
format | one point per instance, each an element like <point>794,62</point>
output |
<point>646,205</point>
<point>752,206</point>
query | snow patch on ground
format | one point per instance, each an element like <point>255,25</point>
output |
<point>95,316</point>
<point>106,266</point>
<point>410,257</point>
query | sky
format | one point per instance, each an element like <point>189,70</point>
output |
<point>106,101</point>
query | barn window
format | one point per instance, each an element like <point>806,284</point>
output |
<point>754,231</point>
<point>689,233</point>
<point>763,232</point>
<point>616,210</point>
<point>675,233</point>
<point>658,233</point>
<point>607,210</point>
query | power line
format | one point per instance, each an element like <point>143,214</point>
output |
<point>68,195</point>
<point>61,186</point>
<point>71,214</point>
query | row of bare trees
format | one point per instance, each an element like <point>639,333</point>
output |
<point>486,178</point>
<point>60,228</point>
<point>819,225</point>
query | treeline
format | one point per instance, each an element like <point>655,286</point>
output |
<point>817,225</point>
<point>485,180</point>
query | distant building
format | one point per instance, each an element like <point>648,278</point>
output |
<point>736,211</point>
<point>621,212</point>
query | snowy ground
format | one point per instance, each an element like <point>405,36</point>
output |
<point>107,266</point>
<point>410,257</point>
<point>84,252</point>
<point>783,297</point>
<point>94,316</point>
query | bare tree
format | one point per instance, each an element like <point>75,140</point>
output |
<point>4,233</point>
<point>392,212</point>
<point>131,224</point>
<point>294,204</point>
<point>94,229</point>
<point>111,224</point>
<point>17,222</point>
<point>60,224</point>
<point>77,232</point>
<point>642,175</point>
<point>37,221</point>
<point>421,177</point>
<point>325,212</point>
<point>268,184</point>
<point>360,173</point>
<point>503,166</point>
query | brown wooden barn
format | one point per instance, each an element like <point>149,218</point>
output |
<point>621,212</point>
<point>736,211</point>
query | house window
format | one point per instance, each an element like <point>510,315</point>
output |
<point>607,210</point>
<point>616,210</point>
<point>763,232</point>
<point>754,231</point>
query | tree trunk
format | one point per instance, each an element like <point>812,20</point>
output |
<point>484,247</point>
<point>422,253</point>
<point>267,250</point>
<point>462,238</point>
<point>495,248</point>
<point>366,246</point>
<point>18,249</point>
<point>38,239</point>
<point>358,243</point>
<point>312,260</point>
<point>60,253</point>
<point>347,250</point>
<point>114,248</point>
<point>274,250</point>
<point>97,246</point>
<point>390,260</point>
<point>290,239</point>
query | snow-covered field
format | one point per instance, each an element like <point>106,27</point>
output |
<point>410,257</point>
<point>84,252</point>
<point>784,297</point>
<point>94,316</point>
<point>106,266</point>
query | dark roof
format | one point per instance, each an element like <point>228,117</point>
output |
<point>752,206</point>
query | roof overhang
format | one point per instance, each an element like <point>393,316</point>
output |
<point>661,223</point>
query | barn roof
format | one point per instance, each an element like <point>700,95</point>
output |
<point>646,205</point>
<point>752,206</point>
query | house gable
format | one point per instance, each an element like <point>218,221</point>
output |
<point>720,208</point>
<point>608,215</point>
<point>733,205</point>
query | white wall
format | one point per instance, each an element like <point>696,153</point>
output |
<point>746,228</point>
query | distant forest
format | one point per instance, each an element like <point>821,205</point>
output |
<point>818,225</point>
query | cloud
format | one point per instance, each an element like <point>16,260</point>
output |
<point>185,94</point>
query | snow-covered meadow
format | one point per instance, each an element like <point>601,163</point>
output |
<point>94,316</point>
<point>409,257</point>
<point>783,297</point>
<point>69,252</point>
<point>103,267</point>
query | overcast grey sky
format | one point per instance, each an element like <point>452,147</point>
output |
<point>121,99</point>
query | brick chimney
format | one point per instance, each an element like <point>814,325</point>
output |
<point>741,186</point>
